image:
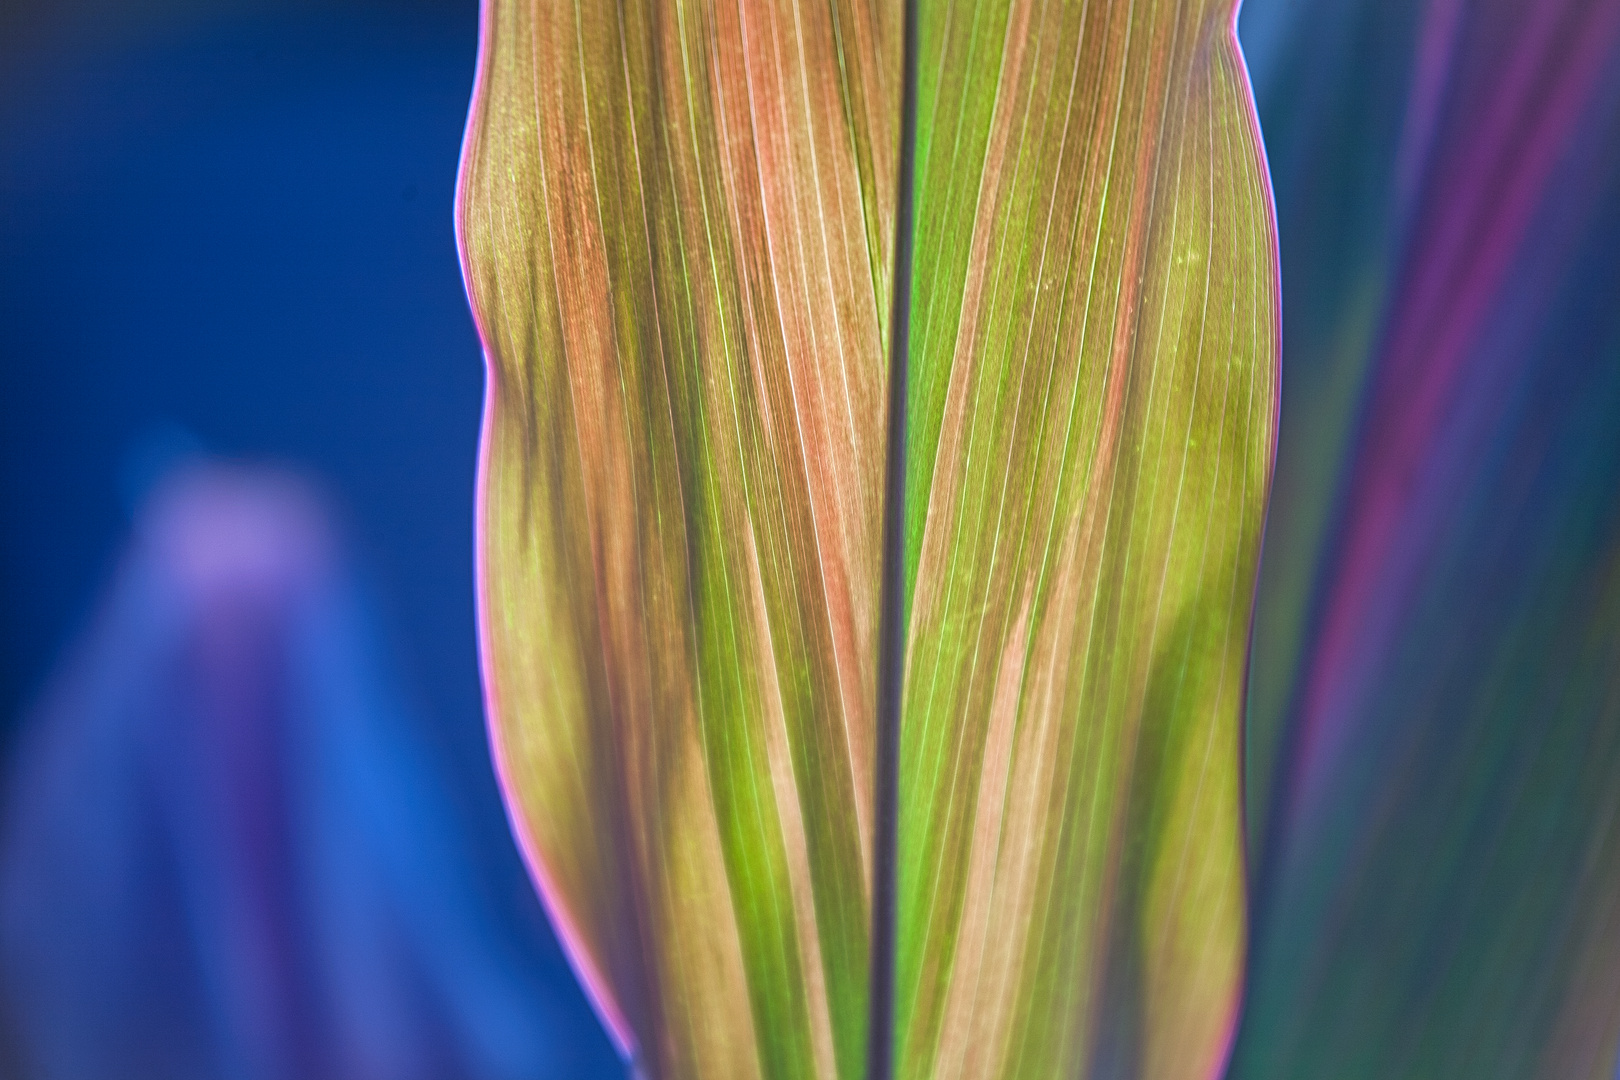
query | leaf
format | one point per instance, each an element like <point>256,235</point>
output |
<point>1093,410</point>
<point>676,223</point>
<point>1441,889</point>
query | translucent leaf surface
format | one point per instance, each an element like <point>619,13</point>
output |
<point>677,222</point>
<point>1092,411</point>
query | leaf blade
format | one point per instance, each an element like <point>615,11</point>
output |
<point>676,505</point>
<point>747,657</point>
<point>1011,972</point>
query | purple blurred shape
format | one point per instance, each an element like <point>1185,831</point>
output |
<point>227,852</point>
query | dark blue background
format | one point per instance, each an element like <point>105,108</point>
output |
<point>233,225</point>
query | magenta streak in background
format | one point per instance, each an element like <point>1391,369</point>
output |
<point>1480,200</point>
<point>1437,49</point>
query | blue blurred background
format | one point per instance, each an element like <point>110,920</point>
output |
<point>248,825</point>
<point>225,228</point>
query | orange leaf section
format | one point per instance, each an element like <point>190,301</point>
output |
<point>675,221</point>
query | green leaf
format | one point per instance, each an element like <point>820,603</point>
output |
<point>1093,414</point>
<point>677,223</point>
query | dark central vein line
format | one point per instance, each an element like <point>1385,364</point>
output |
<point>892,598</point>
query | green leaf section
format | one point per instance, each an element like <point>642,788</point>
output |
<point>1093,403</point>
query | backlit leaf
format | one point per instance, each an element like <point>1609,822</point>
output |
<point>676,220</point>
<point>677,223</point>
<point>1092,410</point>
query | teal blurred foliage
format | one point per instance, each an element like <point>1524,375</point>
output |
<point>1434,740</point>
<point>231,850</point>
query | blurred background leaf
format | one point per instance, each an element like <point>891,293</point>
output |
<point>1435,715</point>
<point>229,848</point>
